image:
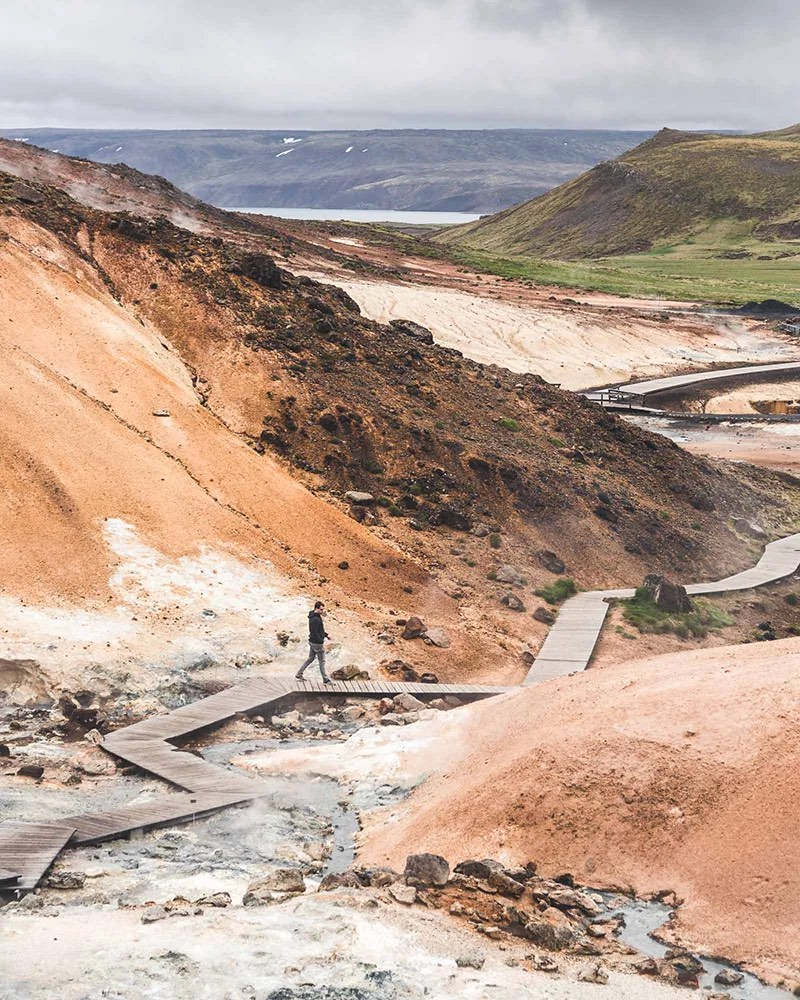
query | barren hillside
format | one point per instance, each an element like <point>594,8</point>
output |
<point>180,389</point>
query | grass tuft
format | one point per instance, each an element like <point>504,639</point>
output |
<point>557,591</point>
<point>643,613</point>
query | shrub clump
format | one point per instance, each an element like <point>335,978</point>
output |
<point>643,613</point>
<point>508,423</point>
<point>558,591</point>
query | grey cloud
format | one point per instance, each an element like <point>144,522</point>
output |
<point>349,63</point>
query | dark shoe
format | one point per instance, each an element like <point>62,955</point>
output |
<point>327,680</point>
<point>298,677</point>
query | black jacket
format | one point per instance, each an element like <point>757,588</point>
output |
<point>316,628</point>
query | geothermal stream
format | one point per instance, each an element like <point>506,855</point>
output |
<point>324,945</point>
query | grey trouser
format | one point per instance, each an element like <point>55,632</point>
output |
<point>316,651</point>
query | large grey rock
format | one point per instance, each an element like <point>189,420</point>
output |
<point>512,602</point>
<point>437,637</point>
<point>275,886</point>
<point>572,899</point>
<point>508,574</point>
<point>545,616</point>
<point>668,596</point>
<point>359,498</point>
<point>745,527</point>
<point>551,929</point>
<point>406,894</point>
<point>593,973</point>
<point>340,880</point>
<point>408,703</point>
<point>426,870</point>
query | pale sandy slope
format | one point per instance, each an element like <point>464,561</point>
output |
<point>680,772</point>
<point>578,347</point>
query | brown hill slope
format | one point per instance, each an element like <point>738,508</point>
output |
<point>281,397</point>
<point>671,187</point>
<point>676,773</point>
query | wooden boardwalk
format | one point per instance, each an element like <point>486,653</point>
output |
<point>571,641</point>
<point>28,849</point>
<point>634,396</point>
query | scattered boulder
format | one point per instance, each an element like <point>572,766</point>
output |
<point>154,913</point>
<point>428,678</point>
<point>359,499</point>
<point>94,766</point>
<point>474,960</point>
<point>419,333</point>
<point>31,771</point>
<point>351,713</point>
<point>407,703</point>
<point>392,719</point>
<point>437,637</point>
<point>449,517</point>
<point>568,899</point>
<point>606,513</point>
<point>277,885</point>
<point>509,574</point>
<point>25,193</point>
<point>405,894</point>
<point>478,869</point>
<point>745,527</point>
<point>505,886</point>
<point>414,628</point>
<point>261,268</point>
<point>647,966</point>
<point>551,929</point>
<point>543,963</point>
<point>350,672</point>
<point>66,880</point>
<point>550,561</point>
<point>668,596</point>
<point>340,880</point>
<point>593,973</point>
<point>426,870</point>
<point>728,977</point>
<point>5,750</point>
<point>377,878</point>
<point>218,900</point>
<point>544,615</point>
<point>512,602</point>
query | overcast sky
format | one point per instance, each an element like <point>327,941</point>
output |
<point>400,63</point>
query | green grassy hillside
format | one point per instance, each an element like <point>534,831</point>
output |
<point>730,198</point>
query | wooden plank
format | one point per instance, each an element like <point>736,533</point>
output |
<point>28,850</point>
<point>92,828</point>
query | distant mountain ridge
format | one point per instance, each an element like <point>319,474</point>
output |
<point>719,190</point>
<point>479,171</point>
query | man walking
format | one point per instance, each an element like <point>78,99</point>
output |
<point>316,642</point>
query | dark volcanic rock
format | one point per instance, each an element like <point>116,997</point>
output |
<point>550,561</point>
<point>426,870</point>
<point>261,268</point>
<point>411,329</point>
<point>668,596</point>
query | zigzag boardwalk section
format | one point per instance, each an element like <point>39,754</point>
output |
<point>571,641</point>
<point>633,396</point>
<point>28,849</point>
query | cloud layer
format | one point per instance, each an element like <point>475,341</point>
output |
<point>400,63</point>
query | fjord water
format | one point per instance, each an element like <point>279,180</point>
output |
<point>364,215</point>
